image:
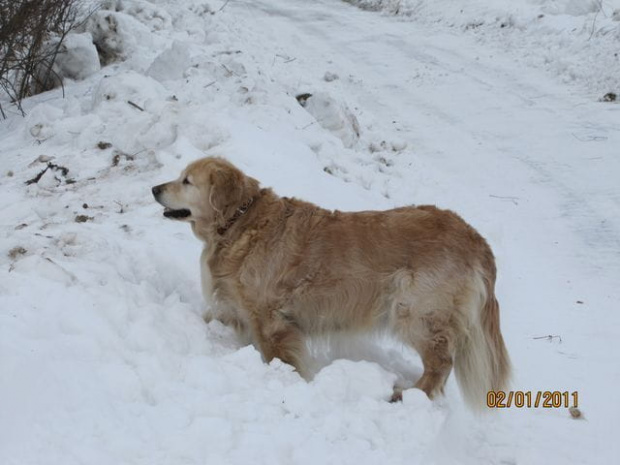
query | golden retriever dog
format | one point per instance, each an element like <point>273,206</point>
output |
<point>281,269</point>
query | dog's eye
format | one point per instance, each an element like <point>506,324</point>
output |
<point>186,181</point>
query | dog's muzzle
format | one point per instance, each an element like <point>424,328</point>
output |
<point>170,212</point>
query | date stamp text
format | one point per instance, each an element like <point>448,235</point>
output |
<point>532,399</point>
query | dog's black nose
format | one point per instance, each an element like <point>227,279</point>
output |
<point>156,190</point>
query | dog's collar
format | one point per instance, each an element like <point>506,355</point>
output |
<point>238,214</point>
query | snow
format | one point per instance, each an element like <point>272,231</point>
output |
<point>575,39</point>
<point>334,117</point>
<point>77,58</point>
<point>104,354</point>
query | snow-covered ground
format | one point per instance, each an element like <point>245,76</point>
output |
<point>484,107</point>
<point>576,40</point>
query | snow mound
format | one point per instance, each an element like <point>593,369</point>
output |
<point>118,35</point>
<point>77,58</point>
<point>129,86</point>
<point>346,381</point>
<point>333,116</point>
<point>171,63</point>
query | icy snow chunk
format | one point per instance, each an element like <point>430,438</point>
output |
<point>171,63</point>
<point>334,116</point>
<point>77,58</point>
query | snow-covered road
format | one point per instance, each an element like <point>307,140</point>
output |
<point>105,354</point>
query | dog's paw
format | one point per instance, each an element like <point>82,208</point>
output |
<point>397,395</point>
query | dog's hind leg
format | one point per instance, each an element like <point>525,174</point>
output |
<point>278,337</point>
<point>421,316</point>
<point>433,339</point>
<point>437,353</point>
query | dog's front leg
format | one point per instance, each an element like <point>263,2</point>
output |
<point>228,316</point>
<point>279,337</point>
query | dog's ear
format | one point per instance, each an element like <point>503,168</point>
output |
<point>230,189</point>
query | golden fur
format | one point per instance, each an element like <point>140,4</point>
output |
<point>281,269</point>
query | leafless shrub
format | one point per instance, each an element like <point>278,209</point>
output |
<point>27,51</point>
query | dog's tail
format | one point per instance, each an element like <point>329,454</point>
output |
<point>481,362</point>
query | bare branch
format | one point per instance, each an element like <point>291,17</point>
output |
<point>32,33</point>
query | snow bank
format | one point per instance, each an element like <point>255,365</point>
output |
<point>106,356</point>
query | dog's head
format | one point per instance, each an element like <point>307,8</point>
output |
<point>209,190</point>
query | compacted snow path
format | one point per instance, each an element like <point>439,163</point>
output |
<point>104,357</point>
